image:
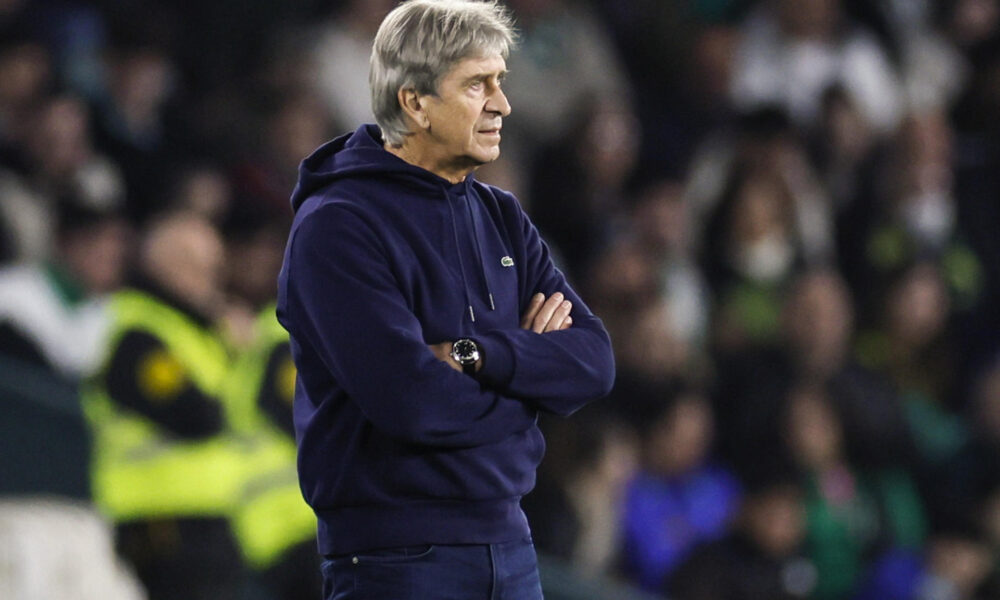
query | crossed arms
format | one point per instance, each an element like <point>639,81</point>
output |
<point>372,344</point>
<point>542,316</point>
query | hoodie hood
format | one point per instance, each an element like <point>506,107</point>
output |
<point>361,154</point>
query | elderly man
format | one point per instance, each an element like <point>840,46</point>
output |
<point>428,325</point>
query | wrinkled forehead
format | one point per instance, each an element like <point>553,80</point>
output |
<point>473,66</point>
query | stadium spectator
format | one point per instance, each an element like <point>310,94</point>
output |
<point>917,217</point>
<point>956,564</point>
<point>853,515</point>
<point>53,313</point>
<point>681,497</point>
<point>579,183</point>
<point>762,557</point>
<point>793,50</point>
<point>971,475</point>
<point>564,54</point>
<point>915,351</point>
<point>293,127</point>
<point>816,347</point>
<point>340,54</point>
<point>576,509</point>
<point>59,158</point>
<point>663,226</point>
<point>130,121</point>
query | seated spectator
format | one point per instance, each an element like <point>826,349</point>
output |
<point>752,250</point>
<point>915,351</point>
<point>624,282</point>
<point>853,515</point>
<point>763,556</point>
<point>131,124</point>
<point>917,218</point>
<point>564,54</point>
<point>58,158</point>
<point>340,53</point>
<point>793,50</point>
<point>579,182</point>
<point>761,144</point>
<point>201,188</point>
<point>681,497</point>
<point>293,127</point>
<point>955,566</point>
<point>815,346</point>
<point>576,509</point>
<point>663,225</point>
<point>25,78</point>
<point>53,314</point>
<point>967,478</point>
<point>54,323</point>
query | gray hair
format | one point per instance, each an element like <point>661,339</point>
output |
<point>420,41</point>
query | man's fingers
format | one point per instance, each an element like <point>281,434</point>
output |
<point>559,316</point>
<point>532,310</point>
<point>545,312</point>
<point>442,352</point>
<point>567,323</point>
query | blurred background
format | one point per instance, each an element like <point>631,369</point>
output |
<point>785,212</point>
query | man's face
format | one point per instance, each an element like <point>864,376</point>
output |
<point>465,117</point>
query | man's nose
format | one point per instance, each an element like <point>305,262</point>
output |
<point>497,103</point>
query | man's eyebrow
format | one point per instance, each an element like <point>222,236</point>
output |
<point>486,75</point>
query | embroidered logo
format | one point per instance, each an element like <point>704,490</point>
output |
<point>507,261</point>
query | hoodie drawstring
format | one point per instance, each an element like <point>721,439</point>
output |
<point>458,248</point>
<point>471,214</point>
<point>479,253</point>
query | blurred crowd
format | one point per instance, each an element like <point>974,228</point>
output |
<point>785,212</point>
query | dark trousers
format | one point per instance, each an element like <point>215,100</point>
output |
<point>507,571</point>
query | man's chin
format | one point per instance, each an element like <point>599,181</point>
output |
<point>489,155</point>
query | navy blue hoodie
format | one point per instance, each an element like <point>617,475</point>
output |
<point>395,447</point>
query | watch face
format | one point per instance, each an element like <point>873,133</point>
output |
<point>465,351</point>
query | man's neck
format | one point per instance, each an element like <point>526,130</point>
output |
<point>454,173</point>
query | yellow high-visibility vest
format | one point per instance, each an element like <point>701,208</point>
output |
<point>270,516</point>
<point>139,470</point>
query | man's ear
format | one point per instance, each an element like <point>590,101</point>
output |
<point>414,107</point>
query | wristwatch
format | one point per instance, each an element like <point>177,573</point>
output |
<point>466,353</point>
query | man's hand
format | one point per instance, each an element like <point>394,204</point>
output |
<point>442,352</point>
<point>543,316</point>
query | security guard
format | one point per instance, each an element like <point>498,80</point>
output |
<point>166,467</point>
<point>276,529</point>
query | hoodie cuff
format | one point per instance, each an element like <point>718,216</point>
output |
<point>498,360</point>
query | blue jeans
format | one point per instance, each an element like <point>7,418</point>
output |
<point>507,571</point>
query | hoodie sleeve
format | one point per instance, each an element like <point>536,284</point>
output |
<point>343,299</point>
<point>559,371</point>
